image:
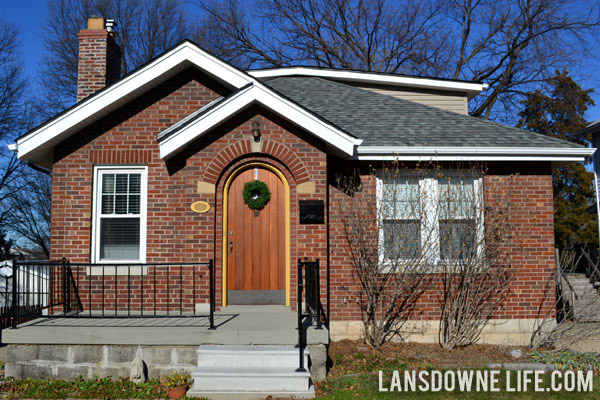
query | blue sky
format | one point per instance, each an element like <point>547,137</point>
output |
<point>28,15</point>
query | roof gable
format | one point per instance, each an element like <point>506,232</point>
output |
<point>174,139</point>
<point>34,146</point>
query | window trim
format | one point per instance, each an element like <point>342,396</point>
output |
<point>431,184</point>
<point>99,170</point>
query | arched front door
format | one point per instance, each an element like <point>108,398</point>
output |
<point>256,242</point>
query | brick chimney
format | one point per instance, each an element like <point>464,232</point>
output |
<point>99,57</point>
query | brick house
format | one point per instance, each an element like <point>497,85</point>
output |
<point>148,169</point>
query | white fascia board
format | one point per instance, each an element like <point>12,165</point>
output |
<point>243,99</point>
<point>417,153</point>
<point>109,99</point>
<point>472,88</point>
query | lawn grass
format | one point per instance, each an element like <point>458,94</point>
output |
<point>365,386</point>
<point>101,388</point>
<point>354,373</point>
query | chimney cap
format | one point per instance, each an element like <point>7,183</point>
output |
<point>95,22</point>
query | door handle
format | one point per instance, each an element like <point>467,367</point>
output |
<point>231,247</point>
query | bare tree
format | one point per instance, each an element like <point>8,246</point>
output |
<point>145,29</point>
<point>373,35</point>
<point>28,212</point>
<point>12,116</point>
<point>475,266</point>
<point>511,45</point>
<point>12,83</point>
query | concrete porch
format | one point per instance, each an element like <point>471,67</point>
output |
<point>234,325</point>
<point>68,347</point>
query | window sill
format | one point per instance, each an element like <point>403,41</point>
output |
<point>112,269</point>
<point>433,268</point>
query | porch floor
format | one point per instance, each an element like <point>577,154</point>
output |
<point>234,325</point>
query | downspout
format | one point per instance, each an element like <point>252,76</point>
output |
<point>596,162</point>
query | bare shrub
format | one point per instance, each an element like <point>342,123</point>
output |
<point>426,231</point>
<point>389,253</point>
<point>475,264</point>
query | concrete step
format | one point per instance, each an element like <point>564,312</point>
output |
<point>586,310</point>
<point>250,372</point>
<point>583,286</point>
<point>575,275</point>
<point>257,356</point>
<point>210,379</point>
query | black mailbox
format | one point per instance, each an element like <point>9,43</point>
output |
<point>312,212</point>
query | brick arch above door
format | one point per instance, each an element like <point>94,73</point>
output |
<point>244,148</point>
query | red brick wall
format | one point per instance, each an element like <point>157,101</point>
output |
<point>532,244</point>
<point>174,233</point>
<point>127,137</point>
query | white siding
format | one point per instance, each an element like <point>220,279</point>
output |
<point>451,101</point>
<point>596,162</point>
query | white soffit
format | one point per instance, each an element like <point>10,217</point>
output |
<point>95,107</point>
<point>258,94</point>
<point>470,88</point>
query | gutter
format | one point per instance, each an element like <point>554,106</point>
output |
<point>473,153</point>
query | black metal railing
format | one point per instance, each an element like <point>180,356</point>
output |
<point>86,290</point>
<point>309,284</point>
<point>28,310</point>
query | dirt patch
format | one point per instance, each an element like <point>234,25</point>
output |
<point>422,354</point>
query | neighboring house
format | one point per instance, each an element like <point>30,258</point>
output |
<point>5,284</point>
<point>33,285</point>
<point>593,129</point>
<point>148,169</point>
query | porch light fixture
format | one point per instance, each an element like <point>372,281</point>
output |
<point>256,130</point>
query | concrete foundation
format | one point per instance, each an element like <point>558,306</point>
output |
<point>65,348</point>
<point>67,362</point>
<point>514,332</point>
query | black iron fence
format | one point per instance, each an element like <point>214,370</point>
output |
<point>309,284</point>
<point>86,290</point>
<point>28,308</point>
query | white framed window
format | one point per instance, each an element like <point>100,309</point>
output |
<point>119,214</point>
<point>400,214</point>
<point>430,217</point>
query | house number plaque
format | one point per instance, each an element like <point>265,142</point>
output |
<point>312,212</point>
<point>200,207</point>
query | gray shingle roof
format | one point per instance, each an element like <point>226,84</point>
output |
<point>190,118</point>
<point>382,120</point>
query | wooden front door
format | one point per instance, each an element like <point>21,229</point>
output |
<point>256,242</point>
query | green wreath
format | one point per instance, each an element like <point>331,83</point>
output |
<point>256,194</point>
